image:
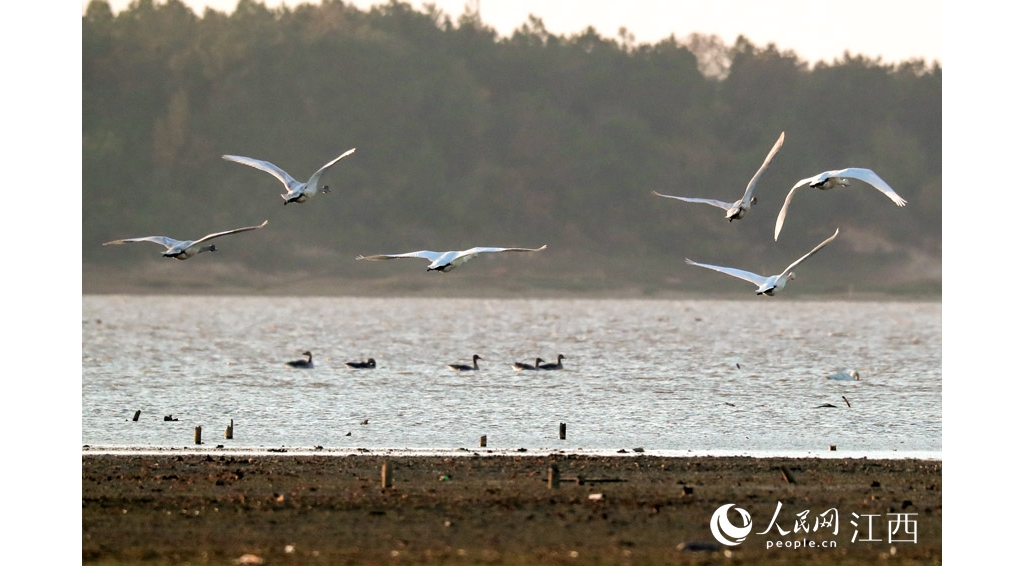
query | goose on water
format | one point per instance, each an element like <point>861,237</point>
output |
<point>552,366</point>
<point>184,249</point>
<point>447,261</point>
<point>738,209</point>
<point>463,367</point>
<point>306,363</point>
<point>767,285</point>
<point>839,178</point>
<point>520,366</point>
<point>370,363</point>
<point>297,192</point>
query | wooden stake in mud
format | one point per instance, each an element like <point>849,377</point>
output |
<point>137,413</point>
<point>483,441</point>
<point>229,432</point>
<point>198,436</point>
<point>385,476</point>
<point>553,477</point>
<point>788,477</point>
<point>561,431</point>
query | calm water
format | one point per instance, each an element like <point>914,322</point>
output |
<point>657,374</point>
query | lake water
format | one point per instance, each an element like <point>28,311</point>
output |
<point>673,377</point>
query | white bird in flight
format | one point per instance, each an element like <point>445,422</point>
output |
<point>184,249</point>
<point>840,178</point>
<point>767,285</point>
<point>738,209</point>
<point>297,192</point>
<point>447,261</point>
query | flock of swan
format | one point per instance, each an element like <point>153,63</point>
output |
<point>768,285</point>
<point>301,192</point>
<point>298,192</point>
<point>444,262</point>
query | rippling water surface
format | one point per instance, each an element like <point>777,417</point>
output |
<point>744,377</point>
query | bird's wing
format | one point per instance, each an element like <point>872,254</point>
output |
<point>466,255</point>
<point>785,205</point>
<point>872,178</point>
<point>712,202</point>
<point>793,265</point>
<point>226,232</point>
<point>162,240</point>
<point>749,193</point>
<point>746,275</point>
<point>315,179</point>
<point>424,254</point>
<point>266,166</point>
<point>480,250</point>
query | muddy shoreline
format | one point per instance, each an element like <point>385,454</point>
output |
<point>637,509</point>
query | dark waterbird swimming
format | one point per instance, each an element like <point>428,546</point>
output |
<point>520,366</point>
<point>552,366</point>
<point>463,367</point>
<point>306,363</point>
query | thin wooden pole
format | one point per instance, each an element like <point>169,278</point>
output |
<point>561,431</point>
<point>483,441</point>
<point>198,436</point>
<point>385,476</point>
<point>137,413</point>
<point>229,433</point>
<point>553,477</point>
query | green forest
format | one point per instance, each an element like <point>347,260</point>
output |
<point>466,138</point>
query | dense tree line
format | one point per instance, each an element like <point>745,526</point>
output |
<point>466,138</point>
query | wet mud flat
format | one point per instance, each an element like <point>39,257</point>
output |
<point>636,509</point>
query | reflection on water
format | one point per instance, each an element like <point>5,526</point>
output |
<point>734,376</point>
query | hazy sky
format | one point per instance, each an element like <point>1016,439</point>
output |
<point>815,29</point>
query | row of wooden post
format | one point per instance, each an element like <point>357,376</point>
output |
<point>561,435</point>
<point>229,433</point>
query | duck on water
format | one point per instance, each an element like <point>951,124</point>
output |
<point>306,363</point>
<point>464,367</point>
<point>552,366</point>
<point>520,366</point>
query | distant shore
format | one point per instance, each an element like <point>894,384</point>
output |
<point>505,509</point>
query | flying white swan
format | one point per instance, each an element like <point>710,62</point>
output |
<point>767,285</point>
<point>297,192</point>
<point>447,261</point>
<point>832,179</point>
<point>738,209</point>
<point>184,249</point>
